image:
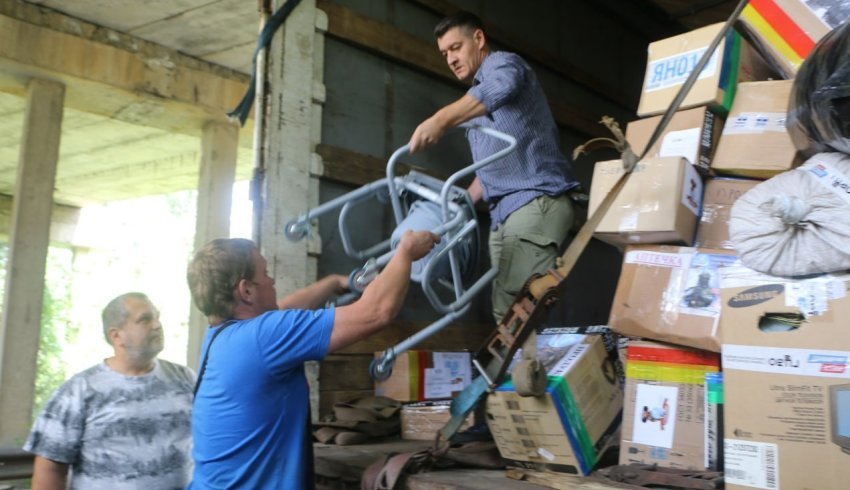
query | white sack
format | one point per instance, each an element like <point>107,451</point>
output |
<point>797,222</point>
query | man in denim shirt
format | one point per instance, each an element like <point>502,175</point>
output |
<point>530,211</point>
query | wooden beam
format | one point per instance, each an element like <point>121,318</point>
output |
<point>114,74</point>
<point>357,169</point>
<point>402,48</point>
<point>544,58</point>
<point>215,190</point>
<point>21,321</point>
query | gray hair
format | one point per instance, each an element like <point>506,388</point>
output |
<point>115,313</point>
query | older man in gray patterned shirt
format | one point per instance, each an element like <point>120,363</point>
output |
<point>123,423</point>
<point>530,211</point>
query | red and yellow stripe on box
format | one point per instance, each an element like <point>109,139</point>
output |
<point>670,364</point>
<point>778,29</point>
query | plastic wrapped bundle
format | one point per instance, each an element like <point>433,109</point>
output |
<point>819,109</point>
<point>798,222</point>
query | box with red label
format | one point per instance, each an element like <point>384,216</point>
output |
<point>787,30</point>
<point>785,357</point>
<point>664,411</point>
<point>420,375</point>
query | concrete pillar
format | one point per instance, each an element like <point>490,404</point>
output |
<point>215,190</point>
<point>31,212</point>
<point>294,130</point>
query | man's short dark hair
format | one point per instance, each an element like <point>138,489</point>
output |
<point>463,19</point>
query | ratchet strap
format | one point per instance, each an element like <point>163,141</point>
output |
<point>532,304</point>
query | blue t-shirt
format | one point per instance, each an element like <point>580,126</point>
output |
<point>250,421</point>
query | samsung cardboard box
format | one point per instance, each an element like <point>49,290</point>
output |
<point>786,363</point>
<point>659,203</point>
<point>755,142</point>
<point>787,30</point>
<point>568,428</point>
<point>720,194</point>
<point>670,294</point>
<point>671,60</point>
<point>692,133</point>
<point>420,375</point>
<point>664,411</point>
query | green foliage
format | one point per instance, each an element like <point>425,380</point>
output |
<point>55,322</point>
<point>55,310</point>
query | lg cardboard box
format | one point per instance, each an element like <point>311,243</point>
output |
<point>691,133</point>
<point>787,30</point>
<point>424,375</point>
<point>755,142</point>
<point>568,428</point>
<point>670,294</point>
<point>720,195</point>
<point>664,412</point>
<point>671,60</point>
<point>659,203</point>
<point>786,351</point>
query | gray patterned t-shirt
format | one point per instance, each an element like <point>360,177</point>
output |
<point>120,432</point>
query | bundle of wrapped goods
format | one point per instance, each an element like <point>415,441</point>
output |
<point>658,204</point>
<point>670,294</point>
<point>669,417</point>
<point>720,194</point>
<point>755,142</point>
<point>820,99</point>
<point>421,421</point>
<point>798,223</point>
<point>786,380</point>
<point>785,31</point>
<point>671,60</point>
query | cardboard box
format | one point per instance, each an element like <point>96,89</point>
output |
<point>424,375</point>
<point>755,142</point>
<point>720,195</point>
<point>670,294</point>
<point>421,421</point>
<point>568,428</point>
<point>786,378</point>
<point>664,412</point>
<point>659,203</point>
<point>671,60</point>
<point>691,133</point>
<point>787,30</point>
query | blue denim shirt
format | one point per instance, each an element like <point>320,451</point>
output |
<point>516,105</point>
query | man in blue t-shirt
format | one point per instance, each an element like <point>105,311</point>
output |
<point>526,191</point>
<point>250,421</point>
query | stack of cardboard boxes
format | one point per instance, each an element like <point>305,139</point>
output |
<point>423,381</point>
<point>779,414</point>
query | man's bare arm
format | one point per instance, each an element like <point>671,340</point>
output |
<point>458,112</point>
<point>49,475</point>
<point>315,295</point>
<point>384,297</point>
